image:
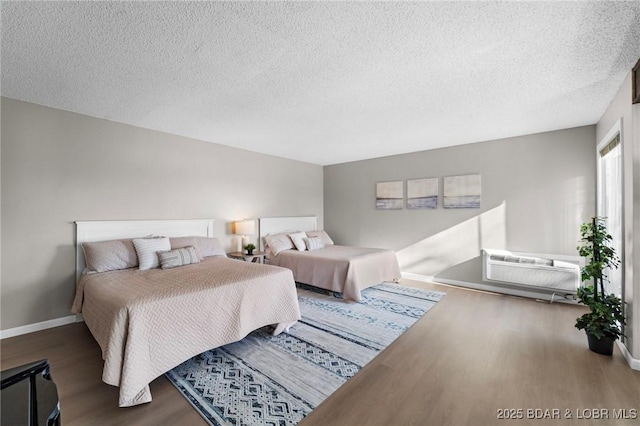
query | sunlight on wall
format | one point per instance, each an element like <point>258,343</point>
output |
<point>457,244</point>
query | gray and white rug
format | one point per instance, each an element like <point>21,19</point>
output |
<point>278,380</point>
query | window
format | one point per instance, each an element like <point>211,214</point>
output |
<point>609,198</point>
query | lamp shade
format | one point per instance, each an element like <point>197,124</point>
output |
<point>245,227</point>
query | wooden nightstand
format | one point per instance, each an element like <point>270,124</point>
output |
<point>257,256</point>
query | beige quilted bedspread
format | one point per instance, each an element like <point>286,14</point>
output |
<point>344,269</point>
<point>147,322</point>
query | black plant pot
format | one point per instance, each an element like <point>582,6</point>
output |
<point>603,346</point>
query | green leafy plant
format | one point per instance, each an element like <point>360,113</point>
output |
<point>250,248</point>
<point>606,316</point>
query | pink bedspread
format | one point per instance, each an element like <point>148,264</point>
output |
<point>147,322</point>
<point>342,269</point>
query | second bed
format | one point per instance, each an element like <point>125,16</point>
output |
<point>343,269</point>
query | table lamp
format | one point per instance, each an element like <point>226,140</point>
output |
<point>243,228</point>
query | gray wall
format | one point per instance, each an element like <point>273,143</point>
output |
<point>536,190</point>
<point>59,167</point>
<point>621,107</point>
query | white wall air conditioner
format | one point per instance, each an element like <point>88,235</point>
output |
<point>545,272</point>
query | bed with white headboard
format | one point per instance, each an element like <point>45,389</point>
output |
<point>296,243</point>
<point>278,225</point>
<point>148,321</point>
<point>103,230</point>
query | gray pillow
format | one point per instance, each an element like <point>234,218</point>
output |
<point>210,247</point>
<point>314,243</point>
<point>181,242</point>
<point>178,257</point>
<point>112,255</point>
<point>205,247</point>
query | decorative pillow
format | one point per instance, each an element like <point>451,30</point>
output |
<point>313,243</point>
<point>298,240</point>
<point>205,247</point>
<point>147,249</point>
<point>278,243</point>
<point>322,235</point>
<point>112,255</point>
<point>178,257</point>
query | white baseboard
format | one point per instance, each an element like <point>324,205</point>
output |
<point>634,363</point>
<point>30,328</point>
<point>417,277</point>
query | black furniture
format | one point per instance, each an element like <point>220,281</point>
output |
<point>29,396</point>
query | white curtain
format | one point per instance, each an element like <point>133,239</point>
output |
<point>610,203</point>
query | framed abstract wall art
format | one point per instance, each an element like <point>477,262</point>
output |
<point>462,192</point>
<point>389,195</point>
<point>422,193</point>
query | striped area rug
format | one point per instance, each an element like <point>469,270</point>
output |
<point>278,380</point>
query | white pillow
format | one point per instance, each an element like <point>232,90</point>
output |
<point>298,240</point>
<point>147,249</point>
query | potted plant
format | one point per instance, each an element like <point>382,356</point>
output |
<point>250,248</point>
<point>604,321</point>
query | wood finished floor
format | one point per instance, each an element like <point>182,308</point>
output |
<point>473,354</point>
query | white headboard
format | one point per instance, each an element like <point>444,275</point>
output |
<point>278,225</point>
<point>102,230</point>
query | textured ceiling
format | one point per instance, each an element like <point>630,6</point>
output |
<point>324,82</point>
